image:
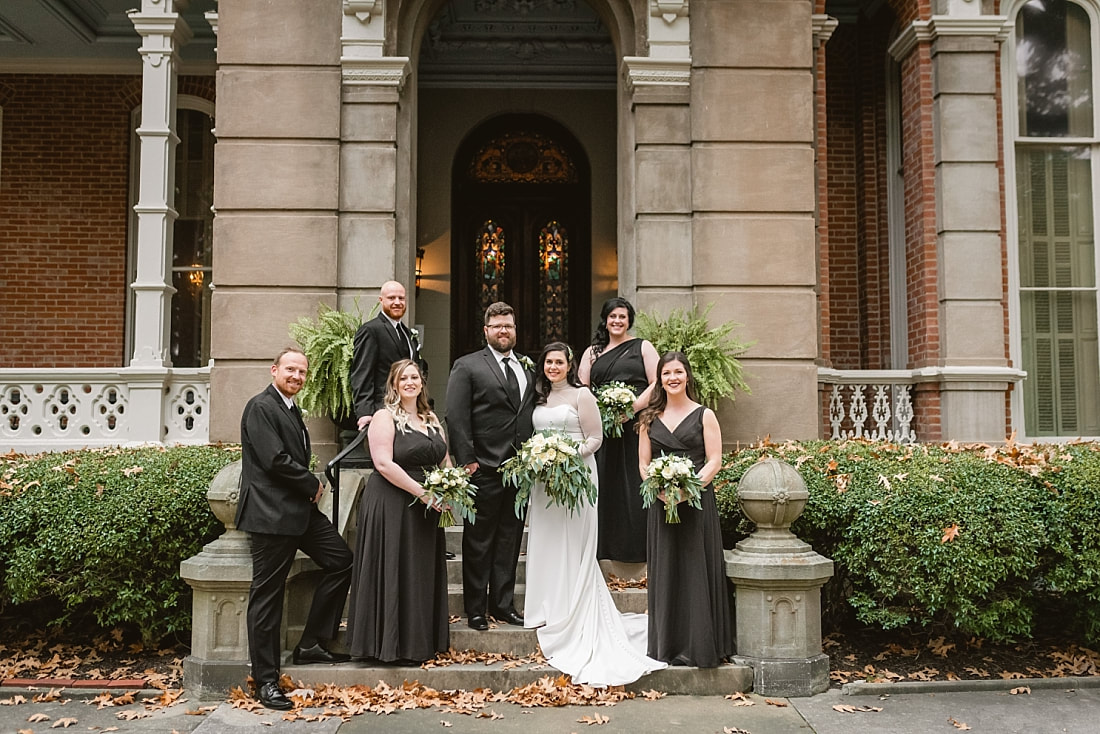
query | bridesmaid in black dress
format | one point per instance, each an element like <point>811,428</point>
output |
<point>398,611</point>
<point>616,356</point>
<point>689,604</point>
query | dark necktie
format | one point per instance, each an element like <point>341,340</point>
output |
<point>301,423</point>
<point>404,331</point>
<point>510,378</point>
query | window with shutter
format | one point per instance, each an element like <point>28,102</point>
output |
<point>1056,158</point>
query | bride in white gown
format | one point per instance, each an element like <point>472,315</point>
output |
<point>580,630</point>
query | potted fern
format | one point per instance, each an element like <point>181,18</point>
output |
<point>329,344</point>
<point>713,352</point>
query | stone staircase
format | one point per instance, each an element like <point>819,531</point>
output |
<point>513,641</point>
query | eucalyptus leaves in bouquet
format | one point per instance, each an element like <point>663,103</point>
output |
<point>329,345</point>
<point>713,352</point>
<point>553,458</point>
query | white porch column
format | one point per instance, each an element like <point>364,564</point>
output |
<point>162,31</point>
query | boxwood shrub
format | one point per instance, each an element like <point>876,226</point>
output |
<point>98,535</point>
<point>978,539</point>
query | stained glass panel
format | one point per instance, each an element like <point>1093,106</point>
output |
<point>490,265</point>
<point>553,282</point>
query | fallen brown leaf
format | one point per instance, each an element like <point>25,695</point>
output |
<point>740,699</point>
<point>775,702</point>
<point>1021,689</point>
<point>596,719</point>
<point>845,708</point>
<point>35,718</point>
<point>63,723</point>
<point>959,724</point>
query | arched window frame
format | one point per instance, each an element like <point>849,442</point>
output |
<point>1012,139</point>
<point>183,102</point>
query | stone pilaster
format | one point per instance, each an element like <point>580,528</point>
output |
<point>753,246</point>
<point>276,184</point>
<point>973,372</point>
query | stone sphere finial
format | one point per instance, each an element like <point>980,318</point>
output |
<point>772,494</point>
<point>222,494</point>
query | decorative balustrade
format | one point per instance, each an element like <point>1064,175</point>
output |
<point>872,404</point>
<point>58,409</point>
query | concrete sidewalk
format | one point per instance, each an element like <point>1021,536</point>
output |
<point>1053,705</point>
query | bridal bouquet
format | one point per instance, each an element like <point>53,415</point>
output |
<point>553,458</point>
<point>675,476</point>
<point>449,487</point>
<point>616,401</point>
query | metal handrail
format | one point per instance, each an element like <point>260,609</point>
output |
<point>332,472</point>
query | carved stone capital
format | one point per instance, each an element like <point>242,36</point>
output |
<point>823,27</point>
<point>645,71</point>
<point>390,71</point>
<point>997,27</point>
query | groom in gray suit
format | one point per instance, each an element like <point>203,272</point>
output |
<point>490,398</point>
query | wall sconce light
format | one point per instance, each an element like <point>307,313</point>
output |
<point>419,267</point>
<point>196,276</point>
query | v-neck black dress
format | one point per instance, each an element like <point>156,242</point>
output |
<point>621,515</point>
<point>689,602</point>
<point>398,608</point>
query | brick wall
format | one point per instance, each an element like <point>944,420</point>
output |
<point>64,188</point>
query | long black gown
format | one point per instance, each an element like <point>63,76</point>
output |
<point>689,604</point>
<point>622,531</point>
<point>399,584</point>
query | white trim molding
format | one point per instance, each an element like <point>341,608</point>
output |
<point>823,27</point>
<point>644,71</point>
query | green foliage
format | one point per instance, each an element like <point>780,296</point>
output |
<point>102,532</point>
<point>1073,527</point>
<point>712,352</point>
<point>1027,522</point>
<point>329,345</point>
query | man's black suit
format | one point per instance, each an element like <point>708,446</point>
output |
<point>378,344</point>
<point>276,508</point>
<point>485,425</point>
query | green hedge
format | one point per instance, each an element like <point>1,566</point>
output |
<point>102,533</point>
<point>1027,542</point>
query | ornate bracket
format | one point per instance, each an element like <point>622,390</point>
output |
<point>362,9</point>
<point>668,10</point>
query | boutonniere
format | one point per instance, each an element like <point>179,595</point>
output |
<point>524,360</point>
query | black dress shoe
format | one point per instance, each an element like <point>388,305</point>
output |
<point>271,696</point>
<point>318,654</point>
<point>510,617</point>
<point>450,555</point>
<point>478,622</point>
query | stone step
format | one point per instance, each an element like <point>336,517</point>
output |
<point>719,681</point>
<point>626,600</point>
<point>454,569</point>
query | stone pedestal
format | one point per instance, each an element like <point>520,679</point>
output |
<point>220,576</point>
<point>778,580</point>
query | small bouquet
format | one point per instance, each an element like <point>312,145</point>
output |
<point>449,488</point>
<point>675,476</point>
<point>616,401</point>
<point>553,458</point>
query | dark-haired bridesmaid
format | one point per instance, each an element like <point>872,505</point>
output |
<point>617,356</point>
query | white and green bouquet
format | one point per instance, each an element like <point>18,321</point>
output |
<point>553,458</point>
<point>616,401</point>
<point>449,488</point>
<point>675,477</point>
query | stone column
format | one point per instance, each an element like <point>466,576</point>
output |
<point>778,580</point>
<point>276,183</point>
<point>971,371</point>
<point>162,32</point>
<point>754,250</point>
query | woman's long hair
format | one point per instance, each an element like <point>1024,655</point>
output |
<point>658,399</point>
<point>601,338</point>
<point>393,398</point>
<point>542,382</point>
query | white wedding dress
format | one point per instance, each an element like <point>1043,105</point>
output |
<point>580,630</point>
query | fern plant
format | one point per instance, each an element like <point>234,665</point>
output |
<point>712,352</point>
<point>329,345</point>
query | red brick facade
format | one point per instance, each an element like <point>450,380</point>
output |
<point>64,196</point>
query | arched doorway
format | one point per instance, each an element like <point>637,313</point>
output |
<point>520,232</point>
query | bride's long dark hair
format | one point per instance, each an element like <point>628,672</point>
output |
<point>601,338</point>
<point>542,382</point>
<point>658,399</point>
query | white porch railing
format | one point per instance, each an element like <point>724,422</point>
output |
<point>872,404</point>
<point>58,409</point>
